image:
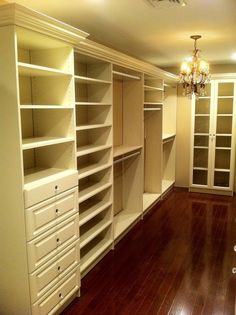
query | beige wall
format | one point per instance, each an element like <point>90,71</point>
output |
<point>183,129</point>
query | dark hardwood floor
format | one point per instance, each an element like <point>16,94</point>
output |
<point>177,261</point>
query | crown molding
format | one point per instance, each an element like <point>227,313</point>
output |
<point>121,59</point>
<point>15,14</point>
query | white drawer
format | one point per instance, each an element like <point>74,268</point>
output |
<point>50,186</point>
<point>51,303</point>
<point>49,244</point>
<point>45,278</point>
<point>47,214</point>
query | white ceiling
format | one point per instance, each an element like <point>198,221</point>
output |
<point>159,36</point>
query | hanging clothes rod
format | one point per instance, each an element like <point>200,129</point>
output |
<point>126,157</point>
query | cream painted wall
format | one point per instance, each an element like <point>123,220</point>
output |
<point>183,129</point>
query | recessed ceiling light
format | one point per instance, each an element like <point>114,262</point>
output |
<point>233,56</point>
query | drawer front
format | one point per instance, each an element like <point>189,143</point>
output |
<point>47,214</point>
<point>47,246</point>
<point>45,278</point>
<point>67,287</point>
<point>43,190</point>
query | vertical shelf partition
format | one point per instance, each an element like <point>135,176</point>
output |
<point>127,150</point>
<point>93,92</point>
<point>168,137</point>
<point>153,108</point>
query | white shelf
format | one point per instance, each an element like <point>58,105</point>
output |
<point>200,147</point>
<point>166,184</point>
<point>94,253</point>
<point>89,169</point>
<point>152,88</point>
<point>95,126</point>
<point>32,143</point>
<point>92,104</point>
<point>200,168</point>
<point>222,170</point>
<point>91,148</point>
<point>90,189</point>
<point>167,137</point>
<point>121,150</point>
<point>87,80</point>
<point>96,227</point>
<point>123,76</point>
<point>36,176</point>
<point>201,134</point>
<point>27,69</point>
<point>46,106</point>
<point>123,220</point>
<point>149,199</point>
<point>146,109</point>
<point>153,103</point>
<point>90,208</point>
<point>223,148</point>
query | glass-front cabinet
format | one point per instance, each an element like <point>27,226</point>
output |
<point>213,140</point>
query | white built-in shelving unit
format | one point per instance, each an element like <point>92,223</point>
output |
<point>127,148</point>
<point>93,96</point>
<point>153,109</point>
<point>168,137</point>
<point>76,173</point>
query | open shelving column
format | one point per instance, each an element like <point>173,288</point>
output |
<point>153,103</point>
<point>93,93</point>
<point>127,149</point>
<point>168,137</point>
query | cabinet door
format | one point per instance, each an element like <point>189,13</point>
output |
<point>223,136</point>
<point>201,140</point>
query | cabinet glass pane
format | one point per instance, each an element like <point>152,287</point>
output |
<point>201,124</point>
<point>221,179</point>
<point>226,89</point>
<point>224,124</point>
<point>199,177</point>
<point>225,106</point>
<point>222,159</point>
<point>222,141</point>
<point>200,158</point>
<point>202,106</point>
<point>201,141</point>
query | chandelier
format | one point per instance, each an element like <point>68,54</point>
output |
<point>194,74</point>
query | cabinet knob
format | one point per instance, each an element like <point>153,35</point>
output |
<point>60,296</point>
<point>235,248</point>
<point>56,187</point>
<point>57,211</point>
<point>58,240</point>
<point>234,270</point>
<point>59,268</point>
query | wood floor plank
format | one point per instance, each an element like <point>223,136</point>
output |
<point>176,261</point>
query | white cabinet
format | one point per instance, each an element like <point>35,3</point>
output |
<point>213,139</point>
